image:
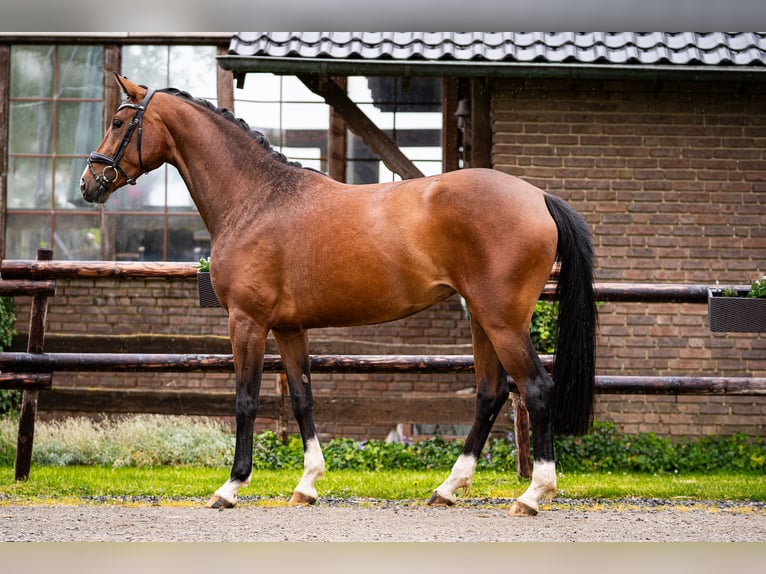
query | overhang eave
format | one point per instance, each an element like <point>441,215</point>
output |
<point>242,65</point>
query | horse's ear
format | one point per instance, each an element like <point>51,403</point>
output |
<point>129,88</point>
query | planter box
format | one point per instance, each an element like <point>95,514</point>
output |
<point>207,296</point>
<point>736,314</point>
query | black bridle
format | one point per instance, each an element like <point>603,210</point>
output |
<point>113,163</point>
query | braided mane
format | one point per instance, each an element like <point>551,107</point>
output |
<point>259,137</point>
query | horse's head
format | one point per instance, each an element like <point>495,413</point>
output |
<point>133,147</point>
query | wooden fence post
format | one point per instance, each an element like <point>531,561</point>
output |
<point>29,398</point>
<point>284,396</point>
<point>521,432</point>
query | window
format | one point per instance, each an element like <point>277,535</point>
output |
<point>56,114</point>
<point>56,119</point>
<point>296,121</point>
<point>156,220</point>
<point>409,111</point>
<point>55,111</point>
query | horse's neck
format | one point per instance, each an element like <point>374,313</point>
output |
<point>226,172</point>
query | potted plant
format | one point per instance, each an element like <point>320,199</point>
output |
<point>738,309</point>
<point>207,296</point>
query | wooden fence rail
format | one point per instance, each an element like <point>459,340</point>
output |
<point>32,370</point>
<point>51,270</point>
<point>43,363</point>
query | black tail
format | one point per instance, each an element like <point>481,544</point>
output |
<point>574,366</point>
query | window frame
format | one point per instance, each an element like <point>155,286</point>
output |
<point>111,97</point>
<point>333,153</point>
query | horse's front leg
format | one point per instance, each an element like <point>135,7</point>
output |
<point>248,342</point>
<point>293,347</point>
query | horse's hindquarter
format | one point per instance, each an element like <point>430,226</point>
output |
<point>497,238</point>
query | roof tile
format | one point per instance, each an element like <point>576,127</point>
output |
<point>649,48</point>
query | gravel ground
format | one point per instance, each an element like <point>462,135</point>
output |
<point>630,520</point>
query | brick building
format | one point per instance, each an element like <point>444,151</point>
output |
<point>657,139</point>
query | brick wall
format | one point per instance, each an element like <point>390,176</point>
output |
<point>90,308</point>
<point>671,177</point>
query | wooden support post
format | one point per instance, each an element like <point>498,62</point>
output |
<point>337,140</point>
<point>521,433</point>
<point>5,76</point>
<point>284,396</point>
<point>225,82</point>
<point>449,125</point>
<point>29,398</point>
<point>481,123</point>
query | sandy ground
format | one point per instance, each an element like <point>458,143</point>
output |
<point>376,521</point>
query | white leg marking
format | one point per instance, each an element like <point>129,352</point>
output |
<point>229,489</point>
<point>543,482</point>
<point>313,468</point>
<point>460,477</point>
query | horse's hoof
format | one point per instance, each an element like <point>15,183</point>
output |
<point>521,509</point>
<point>219,503</point>
<point>301,499</point>
<point>438,500</point>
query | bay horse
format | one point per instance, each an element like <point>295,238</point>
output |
<point>292,250</point>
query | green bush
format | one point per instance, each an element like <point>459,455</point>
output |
<point>148,441</point>
<point>758,288</point>
<point>542,328</point>
<point>10,400</point>
<point>605,450</point>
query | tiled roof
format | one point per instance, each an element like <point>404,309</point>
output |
<point>617,48</point>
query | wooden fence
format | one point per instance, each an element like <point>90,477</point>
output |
<point>32,370</point>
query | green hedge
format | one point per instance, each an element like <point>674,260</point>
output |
<point>10,401</point>
<point>607,450</point>
<point>145,441</point>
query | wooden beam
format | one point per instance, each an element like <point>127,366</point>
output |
<point>449,125</point>
<point>163,362</point>
<point>142,343</point>
<point>363,126</point>
<point>112,98</point>
<point>26,381</point>
<point>26,288</point>
<point>614,292</point>
<point>521,430</point>
<point>27,269</point>
<point>123,362</point>
<point>337,141</point>
<point>225,82</point>
<point>481,125</point>
<point>5,74</point>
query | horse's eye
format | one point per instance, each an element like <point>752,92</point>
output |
<point>116,123</point>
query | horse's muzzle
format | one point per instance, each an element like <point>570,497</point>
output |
<point>97,192</point>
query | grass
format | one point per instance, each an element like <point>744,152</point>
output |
<point>189,485</point>
<point>183,460</point>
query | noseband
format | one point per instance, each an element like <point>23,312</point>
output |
<point>103,180</point>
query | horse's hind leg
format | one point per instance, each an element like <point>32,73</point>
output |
<point>491,395</point>
<point>514,350</point>
<point>536,388</point>
<point>293,347</point>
